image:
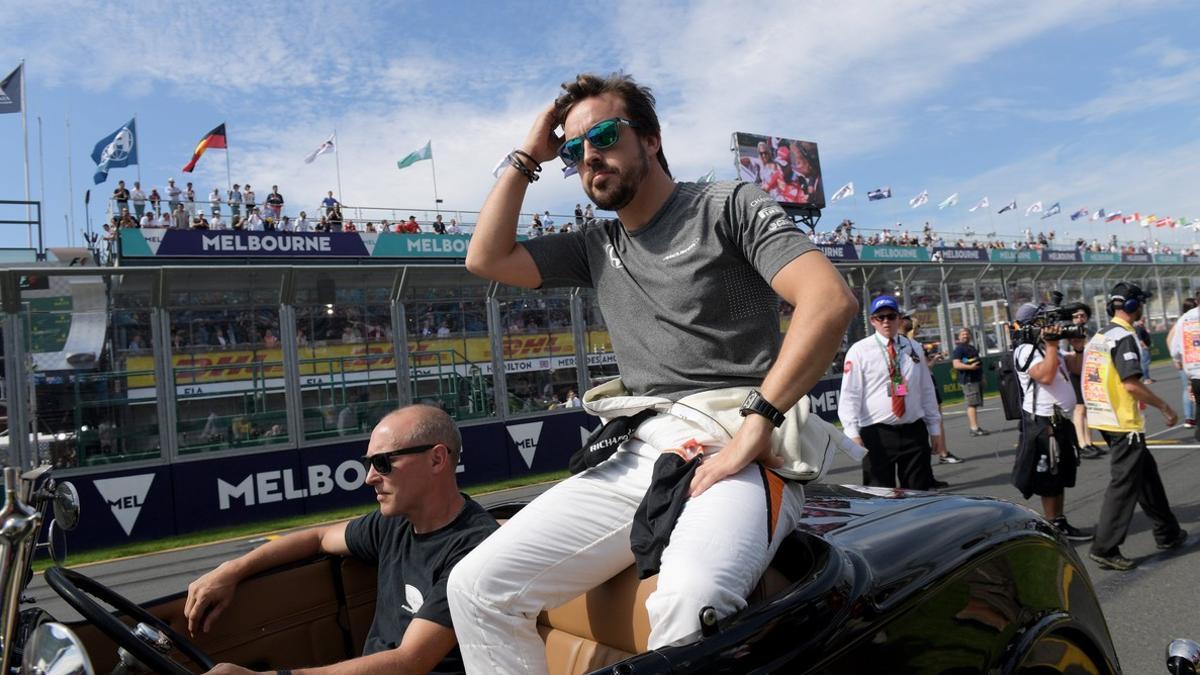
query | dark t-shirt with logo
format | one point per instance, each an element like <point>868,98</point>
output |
<point>969,356</point>
<point>413,570</point>
<point>687,297</point>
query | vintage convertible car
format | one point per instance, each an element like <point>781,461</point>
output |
<point>871,579</point>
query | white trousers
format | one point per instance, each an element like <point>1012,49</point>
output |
<point>576,535</point>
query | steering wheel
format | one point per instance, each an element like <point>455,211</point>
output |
<point>79,590</point>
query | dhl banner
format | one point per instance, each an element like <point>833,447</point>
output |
<point>428,355</point>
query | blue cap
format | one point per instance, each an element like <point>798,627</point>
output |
<point>884,302</point>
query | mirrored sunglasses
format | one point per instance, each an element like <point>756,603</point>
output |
<point>603,135</point>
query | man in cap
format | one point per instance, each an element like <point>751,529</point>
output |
<point>887,403</point>
<point>1047,454</point>
<point>1113,392</point>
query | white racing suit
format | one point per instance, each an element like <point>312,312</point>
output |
<point>576,535</point>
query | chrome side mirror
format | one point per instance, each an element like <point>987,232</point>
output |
<point>66,506</point>
<point>55,650</point>
<point>1183,657</point>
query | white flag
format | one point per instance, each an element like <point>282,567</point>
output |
<point>919,199</point>
<point>846,190</point>
<point>1035,207</point>
<point>948,201</point>
<point>326,147</point>
<point>983,204</point>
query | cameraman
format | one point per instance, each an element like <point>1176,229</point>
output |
<point>1112,391</point>
<point>1047,456</point>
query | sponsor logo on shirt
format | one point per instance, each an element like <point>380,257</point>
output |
<point>412,599</point>
<point>613,259</point>
<point>683,251</point>
<point>846,368</point>
<point>1130,356</point>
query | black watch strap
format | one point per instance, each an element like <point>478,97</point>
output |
<point>757,405</point>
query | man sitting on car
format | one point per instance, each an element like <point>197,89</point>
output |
<point>422,528</point>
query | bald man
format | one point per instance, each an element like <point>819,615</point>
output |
<point>422,528</point>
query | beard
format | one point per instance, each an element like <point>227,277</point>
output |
<point>623,185</point>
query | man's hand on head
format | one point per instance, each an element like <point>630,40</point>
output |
<point>543,141</point>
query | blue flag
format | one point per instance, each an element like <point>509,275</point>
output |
<point>1053,210</point>
<point>115,150</point>
<point>10,91</point>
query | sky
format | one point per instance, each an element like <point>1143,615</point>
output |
<point>1088,103</point>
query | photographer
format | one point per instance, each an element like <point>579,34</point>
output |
<point>1047,456</point>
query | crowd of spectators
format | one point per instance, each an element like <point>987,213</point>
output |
<point>847,233</point>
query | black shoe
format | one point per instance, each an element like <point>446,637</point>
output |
<point>1102,452</point>
<point>1113,561</point>
<point>1174,542</point>
<point>949,458</point>
<point>980,432</point>
<point>1090,452</point>
<point>1070,531</point>
<point>938,484</point>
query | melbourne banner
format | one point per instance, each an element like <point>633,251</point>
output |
<point>837,252</point>
<point>1135,258</point>
<point>1053,256</point>
<point>1006,255</point>
<point>165,243</point>
<point>895,253</point>
<point>955,255</point>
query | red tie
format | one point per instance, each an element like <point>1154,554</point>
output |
<point>894,373</point>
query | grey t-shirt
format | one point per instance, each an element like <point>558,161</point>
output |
<point>686,297</point>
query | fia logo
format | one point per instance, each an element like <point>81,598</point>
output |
<point>613,259</point>
<point>526,436</point>
<point>125,496</point>
<point>119,148</point>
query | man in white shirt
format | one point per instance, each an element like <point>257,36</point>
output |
<point>248,198</point>
<point>887,404</point>
<point>146,220</point>
<point>216,223</point>
<point>302,223</point>
<point>214,202</point>
<point>454,227</point>
<point>139,200</point>
<point>254,221</point>
<point>173,193</point>
<point>1184,344</point>
<point>1047,456</point>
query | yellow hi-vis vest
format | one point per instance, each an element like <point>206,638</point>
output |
<point>1109,406</point>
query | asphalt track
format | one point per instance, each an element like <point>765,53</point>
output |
<point>1145,608</point>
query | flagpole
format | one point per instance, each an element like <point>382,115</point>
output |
<point>135,144</point>
<point>41,167</point>
<point>337,162</point>
<point>70,187</point>
<point>432,167</point>
<point>228,172</point>
<point>25,134</point>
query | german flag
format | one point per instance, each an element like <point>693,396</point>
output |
<point>213,139</point>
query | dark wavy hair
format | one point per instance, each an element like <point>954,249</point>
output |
<point>639,103</point>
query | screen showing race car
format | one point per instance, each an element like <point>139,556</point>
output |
<point>788,170</point>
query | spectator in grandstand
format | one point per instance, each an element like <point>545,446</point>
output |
<point>322,225</point>
<point>285,224</point>
<point>216,223</point>
<point>547,221</point>
<point>275,203</point>
<point>438,226</point>
<point>269,339</point>
<point>572,400</point>
<point>334,215</point>
<point>235,201</point>
<point>329,203</point>
<point>139,200</point>
<point>302,223</point>
<point>179,217</point>
<point>146,220</point>
<point>198,222</point>
<point>136,343</point>
<point>349,226</point>
<point>189,198</point>
<point>173,194</point>
<point>155,199</point>
<point>578,215</point>
<point>214,201</point>
<point>411,226</point>
<point>237,223</point>
<point>121,197</point>
<point>248,198</point>
<point>588,213</point>
<point>454,227</point>
<point>126,219</point>
<point>370,227</point>
<point>253,222</point>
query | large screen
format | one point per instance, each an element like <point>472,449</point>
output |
<point>788,170</point>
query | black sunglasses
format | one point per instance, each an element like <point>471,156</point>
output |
<point>382,462</point>
<point>885,317</point>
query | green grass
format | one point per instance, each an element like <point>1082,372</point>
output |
<point>264,527</point>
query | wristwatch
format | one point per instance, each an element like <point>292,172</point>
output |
<point>755,404</point>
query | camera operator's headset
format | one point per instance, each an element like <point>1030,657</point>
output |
<point>1130,296</point>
